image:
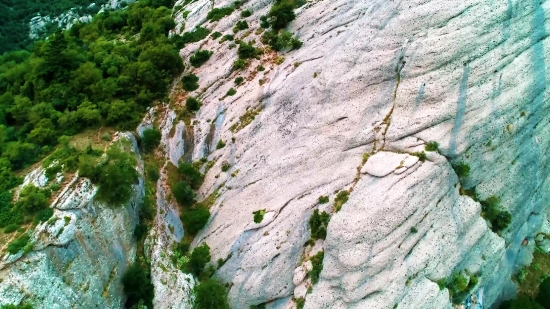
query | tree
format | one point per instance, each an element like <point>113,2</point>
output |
<point>137,286</point>
<point>183,193</point>
<point>151,139</point>
<point>116,177</point>
<point>210,295</point>
<point>200,57</point>
<point>190,175</point>
<point>190,82</point>
<point>195,219</point>
<point>281,13</point>
<point>198,259</point>
<point>32,200</point>
<point>522,302</point>
<point>543,297</point>
<point>192,104</point>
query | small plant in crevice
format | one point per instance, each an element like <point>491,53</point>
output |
<point>260,68</point>
<point>461,284</point>
<point>190,82</point>
<point>259,215</point>
<point>227,37</point>
<point>317,267</point>
<point>318,223</point>
<point>323,199</point>
<point>299,302</point>
<point>432,146</point>
<point>239,80</point>
<point>239,64</point>
<point>225,166</point>
<point>414,230</point>
<point>231,92</point>
<point>240,25</point>
<point>462,169</point>
<point>421,155</point>
<point>493,212</point>
<point>341,198</point>
<point>220,144</point>
<point>217,14</point>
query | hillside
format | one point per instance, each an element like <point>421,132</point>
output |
<point>281,154</point>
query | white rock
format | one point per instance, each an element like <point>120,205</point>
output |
<point>301,290</point>
<point>384,163</point>
<point>400,170</point>
<point>299,275</point>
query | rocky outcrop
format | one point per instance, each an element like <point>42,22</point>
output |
<point>80,254</point>
<point>381,78</point>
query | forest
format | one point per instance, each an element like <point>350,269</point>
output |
<point>14,24</point>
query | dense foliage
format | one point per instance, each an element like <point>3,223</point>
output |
<point>210,294</point>
<point>494,213</point>
<point>195,219</point>
<point>150,139</point>
<point>14,24</point>
<point>318,224</point>
<point>137,286</point>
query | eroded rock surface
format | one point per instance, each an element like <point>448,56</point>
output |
<point>378,76</point>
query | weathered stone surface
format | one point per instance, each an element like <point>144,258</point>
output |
<point>383,163</point>
<point>79,255</point>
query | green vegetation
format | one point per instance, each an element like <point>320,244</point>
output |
<point>299,302</point>
<point>14,27</point>
<point>231,92</point>
<point>198,260</point>
<point>239,80</point>
<point>150,139</point>
<point>239,64</point>
<point>278,18</point>
<point>195,219</point>
<point>260,68</point>
<point>220,144</point>
<point>522,302</point>
<point>281,14</point>
<point>190,82</point>
<point>460,285</point>
<point>495,214</point>
<point>318,223</point>
<point>21,243</point>
<point>200,57</point>
<point>317,262</point>
<point>210,295</point>
<point>414,230</point>
<point>432,146</point>
<point>421,155</point>
<point>196,35</point>
<point>217,14</point>
<point>190,175</point>
<point>192,104</point>
<point>20,306</point>
<point>323,199</point>
<point>137,286</point>
<point>227,37</point>
<point>246,13</point>
<point>281,40</point>
<point>247,51</point>
<point>240,25</point>
<point>259,215</point>
<point>462,169</point>
<point>183,193</point>
<point>245,119</point>
<point>216,35</point>
<point>225,166</point>
<point>341,198</point>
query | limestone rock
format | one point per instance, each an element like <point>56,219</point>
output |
<point>383,163</point>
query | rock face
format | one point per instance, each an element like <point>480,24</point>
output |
<point>80,254</point>
<point>378,77</point>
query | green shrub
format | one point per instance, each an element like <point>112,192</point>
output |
<point>246,51</point>
<point>341,198</point>
<point>137,286</point>
<point>414,230</point>
<point>195,219</point>
<point>220,144</point>
<point>210,295</point>
<point>260,68</point>
<point>432,146</point>
<point>198,260</point>
<point>239,80</point>
<point>225,166</point>
<point>281,14</point>
<point>458,283</point>
<point>231,92</point>
<point>191,175</point>
<point>240,25</point>
<point>32,200</point>
<point>116,176</point>
<point>19,244</point>
<point>216,35</point>
<point>246,13</point>
<point>299,302</point>
<point>494,213</point>
<point>280,41</point>
<point>217,14</point>
<point>20,306</point>
<point>543,296</point>
<point>323,199</point>
<point>317,263</point>
<point>318,224</point>
<point>200,57</point>
<point>151,139</point>
<point>196,35</point>
<point>240,64</point>
<point>462,169</point>
<point>11,228</point>
<point>152,173</point>
<point>190,82</point>
<point>192,104</point>
<point>264,22</point>
<point>522,302</point>
<point>259,215</point>
<point>183,193</point>
<point>227,37</point>
<point>421,156</point>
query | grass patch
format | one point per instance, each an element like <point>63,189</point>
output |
<point>317,262</point>
<point>245,119</point>
<point>341,198</point>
